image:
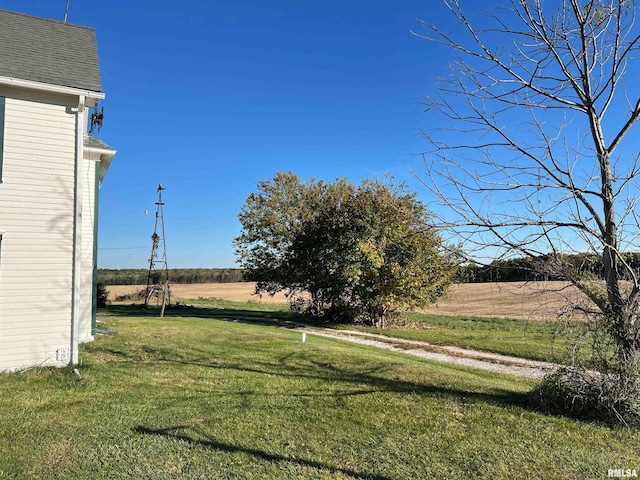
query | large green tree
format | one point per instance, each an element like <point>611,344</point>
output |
<point>363,252</point>
<point>272,218</point>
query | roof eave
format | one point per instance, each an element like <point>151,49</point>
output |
<point>105,162</point>
<point>47,87</point>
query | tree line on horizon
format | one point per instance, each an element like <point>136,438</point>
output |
<point>538,268</point>
<point>521,269</point>
<point>138,276</point>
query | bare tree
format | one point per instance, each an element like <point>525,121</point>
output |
<point>534,154</point>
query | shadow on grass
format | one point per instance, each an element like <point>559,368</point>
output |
<point>343,381</point>
<point>281,318</point>
<point>292,365</point>
<point>357,381</point>
<point>209,442</point>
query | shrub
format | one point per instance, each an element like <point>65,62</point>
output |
<point>102,295</point>
<point>589,395</point>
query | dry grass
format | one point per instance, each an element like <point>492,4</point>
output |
<point>525,300</point>
<point>535,300</point>
<point>235,292</point>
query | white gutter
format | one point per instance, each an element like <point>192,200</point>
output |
<point>17,82</point>
<point>77,234</point>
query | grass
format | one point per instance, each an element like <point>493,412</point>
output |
<point>535,340</point>
<point>194,397</point>
<point>253,306</point>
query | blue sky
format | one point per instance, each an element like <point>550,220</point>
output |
<point>207,97</point>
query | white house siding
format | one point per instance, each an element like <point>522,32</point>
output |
<point>36,221</point>
<point>88,224</point>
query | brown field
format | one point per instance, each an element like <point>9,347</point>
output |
<point>527,300</point>
<point>236,292</point>
<point>535,300</point>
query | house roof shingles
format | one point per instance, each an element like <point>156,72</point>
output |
<point>48,51</point>
<point>92,142</point>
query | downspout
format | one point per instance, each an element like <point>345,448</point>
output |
<point>76,278</point>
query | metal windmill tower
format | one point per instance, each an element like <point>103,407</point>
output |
<point>158,278</point>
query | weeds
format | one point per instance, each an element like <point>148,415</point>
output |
<point>589,395</point>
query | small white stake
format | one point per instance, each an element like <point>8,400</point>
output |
<point>304,337</point>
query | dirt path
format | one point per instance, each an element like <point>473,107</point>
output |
<point>446,354</point>
<point>492,362</point>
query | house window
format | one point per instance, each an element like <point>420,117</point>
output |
<point>1,134</point>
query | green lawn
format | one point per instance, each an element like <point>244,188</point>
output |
<point>193,397</point>
<point>535,340</point>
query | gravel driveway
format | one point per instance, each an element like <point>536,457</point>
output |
<point>446,354</point>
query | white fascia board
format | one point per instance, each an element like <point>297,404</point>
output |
<point>105,163</point>
<point>102,155</point>
<point>47,87</point>
<point>90,152</point>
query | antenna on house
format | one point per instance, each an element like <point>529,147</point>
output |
<point>158,278</point>
<point>96,119</point>
<point>66,12</point>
